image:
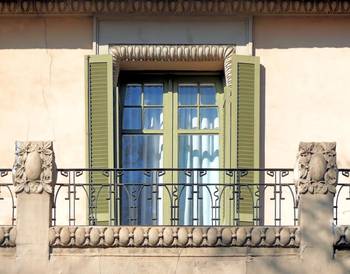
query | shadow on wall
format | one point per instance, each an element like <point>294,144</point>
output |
<point>262,116</point>
<point>301,32</point>
<point>46,32</point>
<point>262,137</point>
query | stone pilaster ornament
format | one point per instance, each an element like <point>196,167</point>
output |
<point>33,167</point>
<point>316,168</point>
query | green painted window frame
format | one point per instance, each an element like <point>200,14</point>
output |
<point>99,111</point>
<point>228,102</point>
<point>170,131</point>
<point>241,83</point>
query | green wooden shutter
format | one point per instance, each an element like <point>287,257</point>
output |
<point>99,72</point>
<point>246,128</point>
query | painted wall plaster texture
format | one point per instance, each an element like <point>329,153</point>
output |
<point>304,86</point>
<point>42,86</point>
<point>305,83</point>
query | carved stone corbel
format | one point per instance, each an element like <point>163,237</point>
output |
<point>33,167</point>
<point>316,168</point>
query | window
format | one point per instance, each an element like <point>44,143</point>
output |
<point>169,120</point>
<point>172,122</point>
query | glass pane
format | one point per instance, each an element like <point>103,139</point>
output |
<point>188,118</point>
<point>188,94</point>
<point>153,118</point>
<point>133,95</point>
<point>197,194</point>
<point>153,94</point>
<point>198,151</point>
<point>209,118</point>
<point>207,94</point>
<point>140,205</point>
<point>132,118</point>
<point>142,151</point>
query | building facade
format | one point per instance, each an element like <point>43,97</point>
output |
<point>150,102</point>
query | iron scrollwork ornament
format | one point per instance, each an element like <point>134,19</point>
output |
<point>33,167</point>
<point>316,168</point>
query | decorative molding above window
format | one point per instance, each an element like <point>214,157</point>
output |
<point>174,7</point>
<point>173,53</point>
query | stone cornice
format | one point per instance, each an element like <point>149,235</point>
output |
<point>173,53</point>
<point>176,236</point>
<point>174,7</point>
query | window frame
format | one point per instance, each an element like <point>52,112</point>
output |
<point>163,53</point>
<point>170,131</point>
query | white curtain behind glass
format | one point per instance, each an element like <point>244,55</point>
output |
<point>142,110</point>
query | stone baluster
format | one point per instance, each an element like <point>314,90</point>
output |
<point>34,174</point>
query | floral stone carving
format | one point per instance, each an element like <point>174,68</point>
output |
<point>33,168</point>
<point>316,168</point>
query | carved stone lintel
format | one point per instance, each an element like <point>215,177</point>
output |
<point>316,168</point>
<point>33,167</point>
<point>173,53</point>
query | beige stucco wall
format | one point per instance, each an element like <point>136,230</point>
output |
<point>42,91</point>
<point>305,89</point>
<point>42,84</point>
<point>306,64</point>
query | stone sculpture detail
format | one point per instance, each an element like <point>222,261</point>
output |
<point>7,236</point>
<point>316,168</point>
<point>342,236</point>
<point>175,7</point>
<point>171,53</point>
<point>33,168</point>
<point>80,236</point>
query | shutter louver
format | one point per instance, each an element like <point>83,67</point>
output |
<point>246,91</point>
<point>100,133</point>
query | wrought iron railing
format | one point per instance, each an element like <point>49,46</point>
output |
<point>341,213</point>
<point>7,198</point>
<point>175,197</point>
<point>270,194</point>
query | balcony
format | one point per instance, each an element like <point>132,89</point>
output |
<point>195,197</point>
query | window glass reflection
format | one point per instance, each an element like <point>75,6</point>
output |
<point>207,94</point>
<point>153,94</point>
<point>132,118</point>
<point>133,95</point>
<point>209,118</point>
<point>188,118</point>
<point>153,118</point>
<point>139,206</point>
<point>188,94</point>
